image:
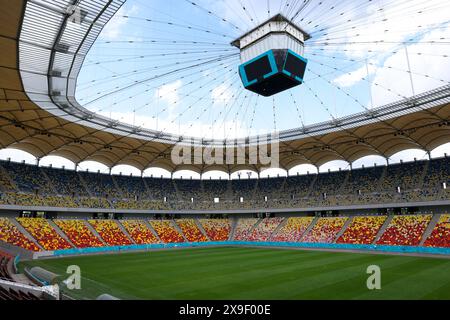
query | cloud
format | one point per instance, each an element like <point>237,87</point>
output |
<point>169,92</point>
<point>351,78</point>
<point>113,29</point>
<point>221,95</point>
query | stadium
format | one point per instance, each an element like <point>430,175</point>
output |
<point>224,150</point>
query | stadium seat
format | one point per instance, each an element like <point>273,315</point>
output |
<point>243,228</point>
<point>191,230</point>
<point>140,233</point>
<point>10,234</point>
<point>325,230</point>
<point>44,234</point>
<point>264,230</point>
<point>362,230</point>
<point>405,230</point>
<point>110,232</point>
<point>293,230</point>
<point>78,233</point>
<point>440,236</point>
<point>166,231</point>
<point>217,229</point>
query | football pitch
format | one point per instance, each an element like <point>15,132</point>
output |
<point>254,273</point>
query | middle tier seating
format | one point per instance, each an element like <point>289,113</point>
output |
<point>405,230</point>
<point>293,230</point>
<point>166,231</point>
<point>217,229</point>
<point>362,230</point>
<point>264,229</point>
<point>78,233</point>
<point>110,232</point>
<point>44,234</point>
<point>325,230</point>
<point>139,231</point>
<point>191,230</point>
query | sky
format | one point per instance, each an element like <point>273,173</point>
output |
<point>156,65</point>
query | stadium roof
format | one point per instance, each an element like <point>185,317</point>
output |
<point>43,51</point>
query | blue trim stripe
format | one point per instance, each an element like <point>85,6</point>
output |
<point>375,248</point>
<point>273,66</point>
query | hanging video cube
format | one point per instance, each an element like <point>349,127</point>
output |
<point>271,56</point>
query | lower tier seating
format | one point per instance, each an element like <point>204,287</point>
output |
<point>110,232</point>
<point>139,231</point>
<point>10,234</point>
<point>264,230</point>
<point>78,233</point>
<point>167,231</point>
<point>191,230</point>
<point>362,230</point>
<point>293,230</point>
<point>405,230</point>
<point>440,236</point>
<point>217,229</point>
<point>325,230</point>
<point>243,228</point>
<point>41,230</point>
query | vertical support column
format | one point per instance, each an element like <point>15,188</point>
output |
<point>410,72</point>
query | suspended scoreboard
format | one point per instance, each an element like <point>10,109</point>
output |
<point>272,56</point>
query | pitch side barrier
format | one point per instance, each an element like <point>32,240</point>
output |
<point>374,248</point>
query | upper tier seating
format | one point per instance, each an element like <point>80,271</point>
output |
<point>440,236</point>
<point>110,232</point>
<point>362,230</point>
<point>10,234</point>
<point>243,228</point>
<point>264,229</point>
<point>325,230</point>
<point>166,231</point>
<point>27,185</point>
<point>405,230</point>
<point>293,230</point>
<point>44,234</point>
<point>191,230</point>
<point>217,229</point>
<point>78,233</point>
<point>139,231</point>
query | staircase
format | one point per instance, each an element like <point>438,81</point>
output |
<point>25,232</point>
<point>310,227</point>
<point>49,181</point>
<point>434,221</point>
<point>94,232</point>
<point>249,232</point>
<point>422,177</point>
<point>88,191</point>
<point>311,187</point>
<point>383,228</point>
<point>382,177</point>
<point>344,228</point>
<point>116,185</point>
<point>281,225</point>
<point>125,232</point>
<point>200,226</point>
<point>177,227</point>
<point>60,232</point>
<point>149,226</point>
<point>344,183</point>
<point>234,222</point>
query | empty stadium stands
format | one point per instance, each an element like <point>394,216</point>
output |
<point>44,234</point>
<point>110,232</point>
<point>362,230</point>
<point>293,230</point>
<point>10,234</point>
<point>139,231</point>
<point>405,230</point>
<point>191,230</point>
<point>28,185</point>
<point>264,229</point>
<point>78,233</point>
<point>243,228</point>
<point>217,229</point>
<point>440,236</point>
<point>325,230</point>
<point>167,231</point>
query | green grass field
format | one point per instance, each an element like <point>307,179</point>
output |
<point>248,273</point>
